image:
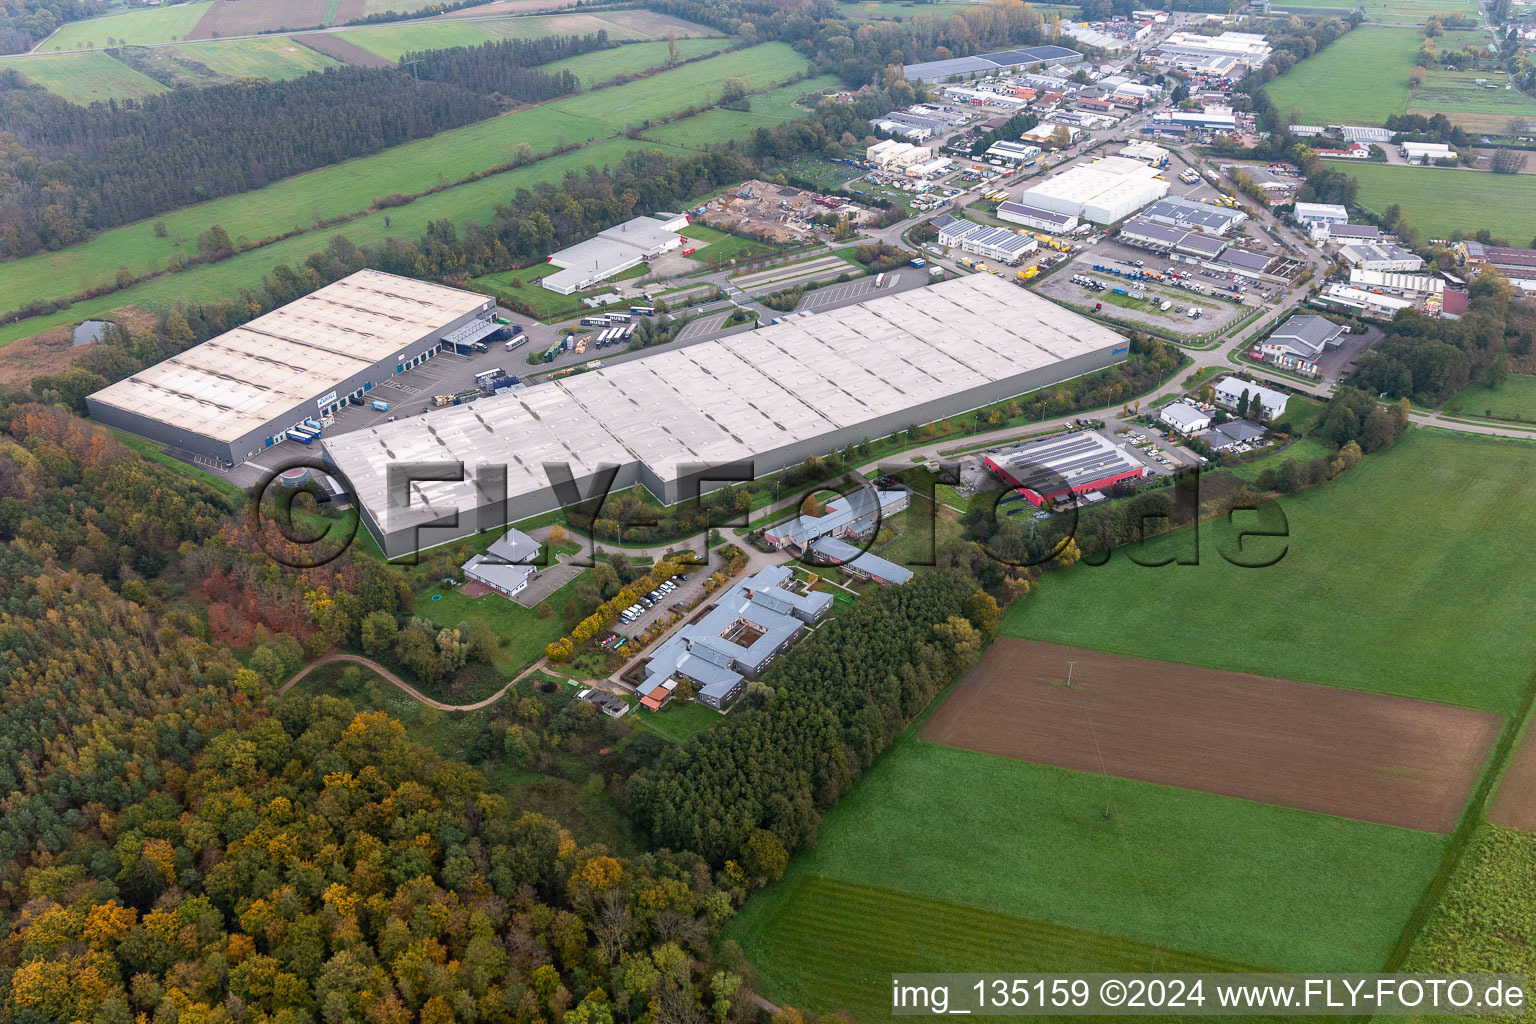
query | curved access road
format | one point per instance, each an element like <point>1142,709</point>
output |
<point>369,663</point>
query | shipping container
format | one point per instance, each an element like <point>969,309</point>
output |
<point>380,406</point>
<point>294,435</point>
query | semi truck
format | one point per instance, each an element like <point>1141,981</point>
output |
<point>380,406</point>
<point>295,435</point>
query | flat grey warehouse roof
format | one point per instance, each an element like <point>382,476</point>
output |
<point>731,398</point>
<point>238,381</point>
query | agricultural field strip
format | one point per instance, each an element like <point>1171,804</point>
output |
<point>835,945</point>
<point>1176,868</point>
<point>473,201</point>
<point>1361,77</point>
<point>1514,802</point>
<point>1391,760</point>
<point>346,187</point>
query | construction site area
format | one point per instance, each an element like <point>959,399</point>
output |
<point>778,213</point>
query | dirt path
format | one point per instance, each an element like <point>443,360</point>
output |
<point>407,687</point>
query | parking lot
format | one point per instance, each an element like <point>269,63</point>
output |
<point>687,591</point>
<point>703,325</point>
<point>861,289</point>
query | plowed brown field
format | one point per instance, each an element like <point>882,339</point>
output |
<point>247,17</point>
<point>1379,758</point>
<point>1514,805</point>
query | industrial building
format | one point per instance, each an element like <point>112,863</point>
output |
<point>613,250</point>
<point>1178,212</point>
<point>280,376</point>
<point>749,626</point>
<point>1312,214</point>
<point>1190,51</point>
<point>1381,256</point>
<point>998,244</point>
<point>1371,304</point>
<point>1402,284</point>
<point>1426,152</point>
<point>1151,152</point>
<point>771,397</point>
<point>1158,236</point>
<point>1221,121</point>
<point>1103,192</point>
<point>1348,234</point>
<point>1230,392</point>
<point>1079,463</point>
<point>990,63</point>
<point>1013,152</point>
<point>1034,217</point>
<point>1185,418</point>
<point>891,154</point>
<point>1297,343</point>
<point>911,132</point>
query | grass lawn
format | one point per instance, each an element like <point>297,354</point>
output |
<point>354,185</point>
<point>717,127</point>
<point>1361,78</point>
<point>390,41</point>
<point>731,248</point>
<point>1437,204</point>
<point>1401,12</point>
<point>274,57</point>
<point>996,861</point>
<point>1420,597</point>
<point>1515,399</point>
<point>85,77</point>
<point>677,722</point>
<point>1303,450</point>
<point>661,95</point>
<point>629,59</point>
<point>547,306</point>
<point>526,634</point>
<point>150,25</point>
<point>1302,413</point>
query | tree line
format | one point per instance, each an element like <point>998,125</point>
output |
<point>1431,359</point>
<point>25,23</point>
<point>505,67</point>
<point>754,786</point>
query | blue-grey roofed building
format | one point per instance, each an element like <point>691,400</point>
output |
<point>507,565</point>
<point>860,563</point>
<point>750,625</point>
<point>1034,217</point>
<point>844,517</point>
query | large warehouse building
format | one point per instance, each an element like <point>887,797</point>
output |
<point>1103,192</point>
<point>243,391</point>
<point>772,397</point>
